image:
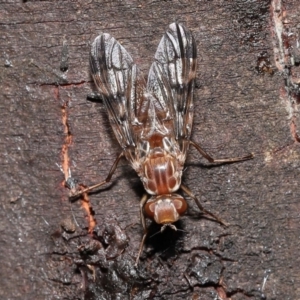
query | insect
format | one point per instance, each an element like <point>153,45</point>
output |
<point>152,121</point>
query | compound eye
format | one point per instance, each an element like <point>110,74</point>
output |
<point>180,205</point>
<point>149,209</point>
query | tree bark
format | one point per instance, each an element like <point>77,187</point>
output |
<point>246,100</point>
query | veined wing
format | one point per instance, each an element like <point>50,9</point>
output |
<point>173,73</point>
<point>159,95</point>
<point>116,77</point>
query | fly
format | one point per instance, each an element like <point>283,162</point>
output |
<point>152,120</point>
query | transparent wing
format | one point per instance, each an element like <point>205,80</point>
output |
<point>171,79</point>
<point>162,113</point>
<point>117,78</point>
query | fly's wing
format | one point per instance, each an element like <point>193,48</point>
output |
<point>171,79</point>
<point>117,79</point>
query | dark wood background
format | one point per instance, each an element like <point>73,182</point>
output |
<point>246,100</point>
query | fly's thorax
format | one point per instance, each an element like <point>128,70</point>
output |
<point>159,163</point>
<point>161,173</point>
<point>165,209</point>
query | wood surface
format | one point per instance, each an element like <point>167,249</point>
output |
<point>246,100</point>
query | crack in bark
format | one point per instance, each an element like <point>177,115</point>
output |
<point>85,203</point>
<point>286,42</point>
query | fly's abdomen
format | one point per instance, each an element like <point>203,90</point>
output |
<point>162,174</point>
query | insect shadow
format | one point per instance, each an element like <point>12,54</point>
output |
<point>166,244</point>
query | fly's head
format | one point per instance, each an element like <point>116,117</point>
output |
<point>165,209</point>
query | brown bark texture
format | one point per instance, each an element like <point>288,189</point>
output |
<point>246,100</point>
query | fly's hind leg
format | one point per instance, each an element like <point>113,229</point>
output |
<point>207,212</point>
<point>221,160</point>
<point>212,160</point>
<point>108,178</point>
<point>142,216</point>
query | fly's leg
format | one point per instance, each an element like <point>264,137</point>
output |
<point>212,160</point>
<point>222,160</point>
<point>142,203</point>
<point>108,178</point>
<point>189,193</point>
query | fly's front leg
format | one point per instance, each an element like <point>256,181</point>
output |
<point>142,216</point>
<point>189,193</point>
<point>222,160</point>
<point>108,178</point>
